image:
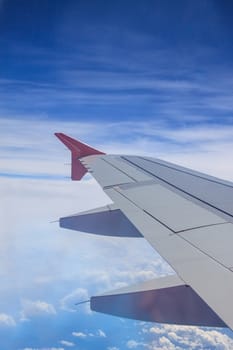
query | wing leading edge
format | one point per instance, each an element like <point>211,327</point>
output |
<point>185,215</point>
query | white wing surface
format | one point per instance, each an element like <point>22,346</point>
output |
<point>185,215</point>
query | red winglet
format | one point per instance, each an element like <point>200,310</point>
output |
<point>78,150</point>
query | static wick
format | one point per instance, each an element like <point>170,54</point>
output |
<point>83,302</point>
<point>52,222</point>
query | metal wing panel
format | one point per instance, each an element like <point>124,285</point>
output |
<point>124,166</point>
<point>182,213</point>
<point>210,190</point>
<point>162,163</point>
<point>209,278</point>
<point>106,174</point>
<point>172,210</point>
<point>215,241</point>
<point>187,170</point>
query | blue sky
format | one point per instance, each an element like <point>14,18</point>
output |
<point>134,77</point>
<point>133,60</point>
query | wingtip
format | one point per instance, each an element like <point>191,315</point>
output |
<point>78,150</point>
<point>61,136</point>
<point>59,133</point>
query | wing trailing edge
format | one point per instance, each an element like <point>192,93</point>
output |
<point>78,150</point>
<point>163,300</point>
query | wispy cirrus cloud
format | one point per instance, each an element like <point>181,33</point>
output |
<point>155,83</point>
<point>176,100</point>
<point>24,153</point>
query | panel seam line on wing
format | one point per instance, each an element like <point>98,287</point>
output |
<point>176,233</point>
<point>146,212</point>
<point>116,185</point>
<point>123,172</point>
<point>202,226</point>
<point>185,172</point>
<point>178,188</point>
<point>203,252</point>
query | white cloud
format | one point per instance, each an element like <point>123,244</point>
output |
<point>132,344</point>
<point>203,144</point>
<point>36,308</point>
<point>7,320</point>
<point>67,343</point>
<point>155,330</point>
<point>174,337</point>
<point>167,344</point>
<point>101,333</point>
<point>79,334</point>
<point>112,348</point>
<point>200,337</point>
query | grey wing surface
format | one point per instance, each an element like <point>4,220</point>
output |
<point>185,215</point>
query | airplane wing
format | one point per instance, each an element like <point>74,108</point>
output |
<point>185,215</point>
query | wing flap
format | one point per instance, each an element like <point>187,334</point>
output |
<point>163,300</point>
<point>105,221</point>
